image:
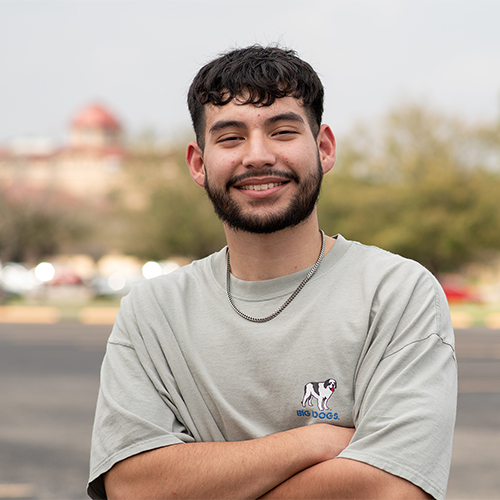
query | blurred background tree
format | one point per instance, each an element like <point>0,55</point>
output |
<point>170,215</point>
<point>425,186</point>
<point>36,223</point>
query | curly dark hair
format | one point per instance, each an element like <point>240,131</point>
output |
<point>259,75</point>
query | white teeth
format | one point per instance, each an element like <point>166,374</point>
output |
<point>262,187</point>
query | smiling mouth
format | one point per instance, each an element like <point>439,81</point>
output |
<point>261,187</point>
<point>262,180</point>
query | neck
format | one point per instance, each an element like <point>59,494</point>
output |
<point>256,257</point>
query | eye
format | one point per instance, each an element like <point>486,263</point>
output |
<point>285,133</point>
<point>229,139</point>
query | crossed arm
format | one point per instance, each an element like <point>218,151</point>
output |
<point>299,463</point>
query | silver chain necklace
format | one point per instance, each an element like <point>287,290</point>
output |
<point>310,274</point>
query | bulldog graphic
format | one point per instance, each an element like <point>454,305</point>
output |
<point>322,391</point>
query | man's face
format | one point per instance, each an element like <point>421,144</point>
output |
<point>262,165</point>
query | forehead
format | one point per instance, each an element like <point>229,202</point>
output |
<point>250,113</point>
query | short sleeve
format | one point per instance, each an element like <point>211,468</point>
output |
<point>406,388</point>
<point>134,410</point>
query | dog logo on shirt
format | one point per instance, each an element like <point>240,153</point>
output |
<point>322,391</point>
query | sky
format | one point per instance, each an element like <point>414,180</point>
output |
<point>138,57</point>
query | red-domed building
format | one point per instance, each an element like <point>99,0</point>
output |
<point>89,165</point>
<point>95,127</point>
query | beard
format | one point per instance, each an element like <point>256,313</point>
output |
<point>300,207</point>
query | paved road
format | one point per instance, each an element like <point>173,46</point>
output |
<point>48,386</point>
<point>475,472</point>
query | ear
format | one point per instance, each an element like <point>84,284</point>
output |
<point>194,160</point>
<point>326,147</point>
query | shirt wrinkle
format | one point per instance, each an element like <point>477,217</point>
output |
<point>422,340</point>
<point>122,344</point>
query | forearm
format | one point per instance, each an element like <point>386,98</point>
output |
<point>245,469</point>
<point>201,470</point>
<point>345,479</point>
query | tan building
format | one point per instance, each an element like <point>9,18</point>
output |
<point>89,165</point>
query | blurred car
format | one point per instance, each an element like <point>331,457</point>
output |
<point>115,285</point>
<point>456,292</point>
<point>16,280</point>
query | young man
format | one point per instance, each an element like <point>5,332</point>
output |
<point>290,364</point>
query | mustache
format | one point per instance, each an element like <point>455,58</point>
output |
<point>270,172</point>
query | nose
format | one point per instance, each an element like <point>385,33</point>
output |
<point>258,152</point>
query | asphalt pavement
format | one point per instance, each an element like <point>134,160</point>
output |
<point>49,381</point>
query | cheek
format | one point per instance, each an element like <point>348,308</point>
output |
<point>292,161</point>
<point>297,156</point>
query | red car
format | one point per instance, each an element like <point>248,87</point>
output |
<point>459,293</point>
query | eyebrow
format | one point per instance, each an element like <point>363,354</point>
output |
<point>223,124</point>
<point>289,116</point>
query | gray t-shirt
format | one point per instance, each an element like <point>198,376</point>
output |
<point>368,343</point>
